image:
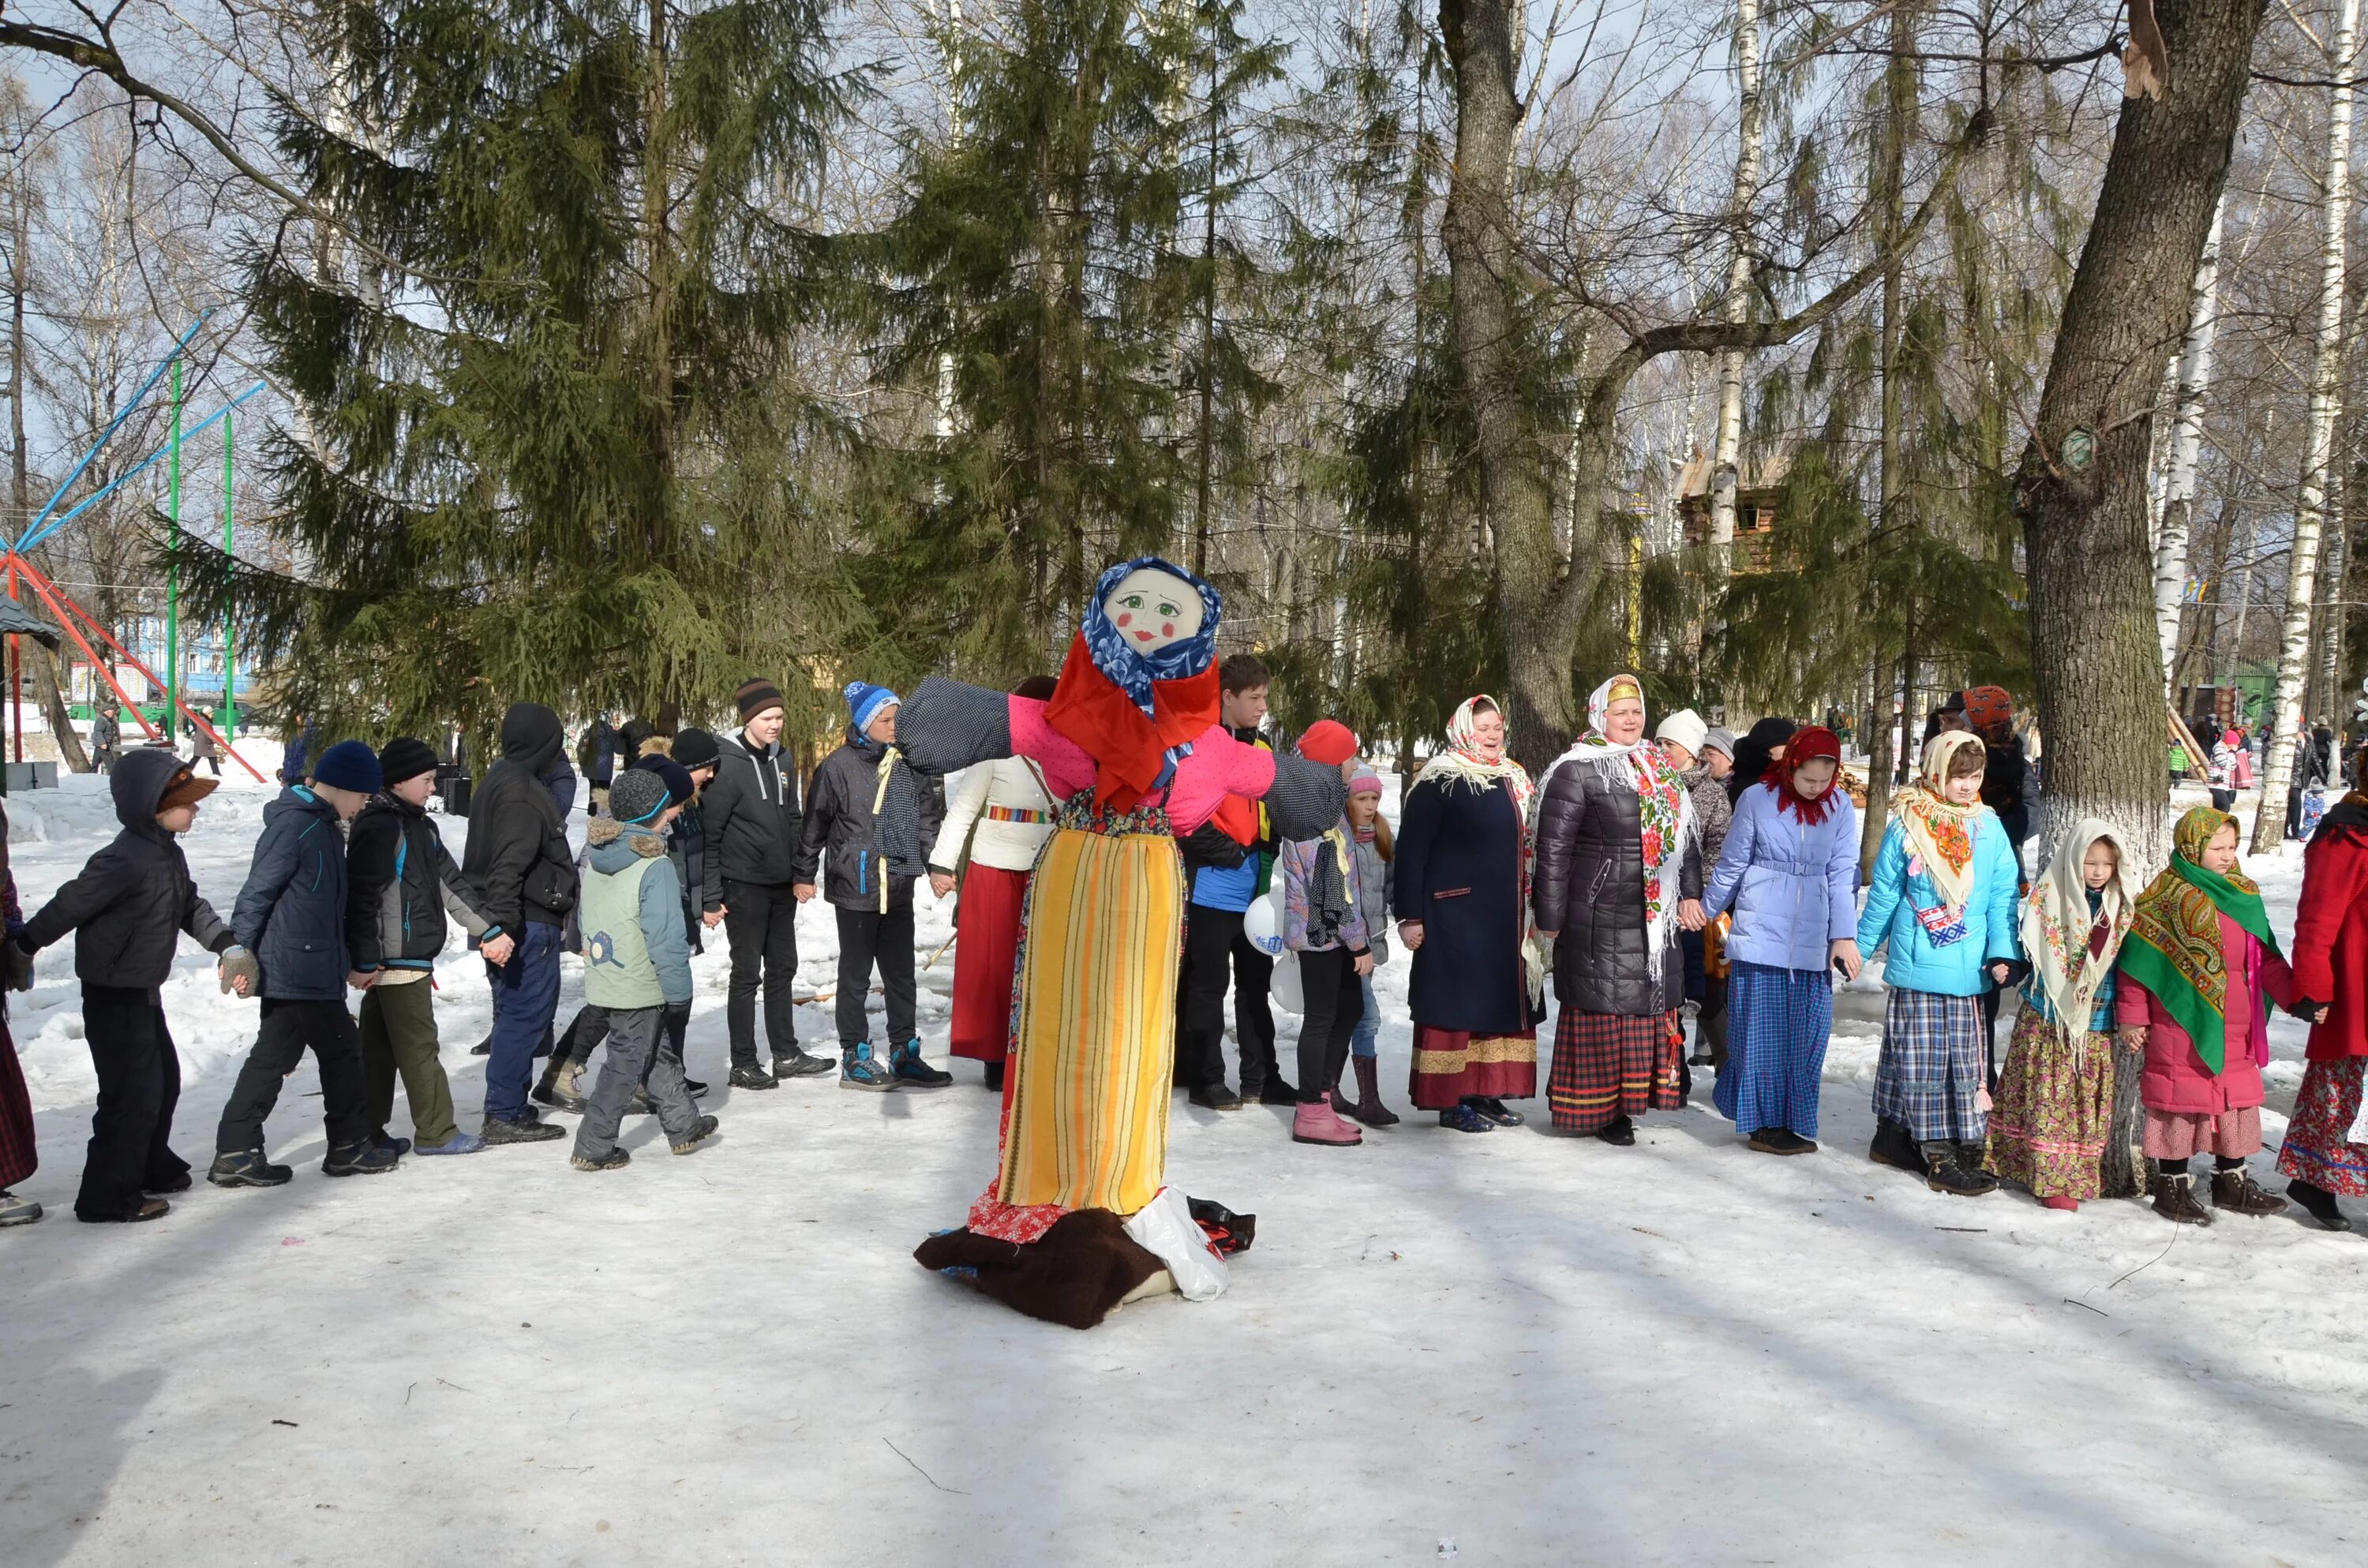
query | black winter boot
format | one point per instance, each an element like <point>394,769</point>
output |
<point>1945,1172</point>
<point>2319,1204</point>
<point>1894,1147</point>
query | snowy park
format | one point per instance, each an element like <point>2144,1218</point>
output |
<point>1517,1348</point>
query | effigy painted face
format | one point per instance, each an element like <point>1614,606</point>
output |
<point>1153,608</point>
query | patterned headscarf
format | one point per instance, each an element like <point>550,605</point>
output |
<point>1990,711</point>
<point>1461,763</point>
<point>2174,948</point>
<point>1116,658</point>
<point>1939,832</point>
<point>1665,807</point>
<point>1807,746</point>
<point>2058,924</point>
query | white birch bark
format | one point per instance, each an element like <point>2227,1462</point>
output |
<point>2318,443</point>
<point>2186,438</point>
<point>1728,445</point>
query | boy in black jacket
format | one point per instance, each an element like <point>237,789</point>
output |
<point>751,830</point>
<point>876,818</point>
<point>127,906</point>
<point>400,883</point>
<point>291,916</point>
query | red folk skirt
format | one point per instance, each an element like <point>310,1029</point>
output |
<point>17,1158</point>
<point>985,953</point>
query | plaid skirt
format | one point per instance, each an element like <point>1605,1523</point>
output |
<point>1934,1059</point>
<point>1778,1023</point>
<point>16,1157</point>
<point>2315,1149</point>
<point>1608,1065</point>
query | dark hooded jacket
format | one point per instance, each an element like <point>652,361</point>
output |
<point>840,819</point>
<point>400,882</point>
<point>749,816</point>
<point>134,897</point>
<point>518,855</point>
<point>292,913</point>
<point>1586,884</point>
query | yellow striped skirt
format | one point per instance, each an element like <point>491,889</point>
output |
<point>1094,1034</point>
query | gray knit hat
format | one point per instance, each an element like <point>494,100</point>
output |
<point>637,797</point>
<point>1720,741</point>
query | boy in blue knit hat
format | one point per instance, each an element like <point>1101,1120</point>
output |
<point>291,916</point>
<point>876,818</point>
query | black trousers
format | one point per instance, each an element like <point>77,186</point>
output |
<point>289,1030</point>
<point>139,1083</point>
<point>762,923</point>
<point>1213,940</point>
<point>1335,1002</point>
<point>866,937</point>
<point>589,1026</point>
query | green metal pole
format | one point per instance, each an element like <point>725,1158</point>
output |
<point>173,575</point>
<point>230,633</point>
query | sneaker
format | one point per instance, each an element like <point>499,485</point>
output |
<point>146,1208</point>
<point>2237,1192</point>
<point>2319,1204</point>
<point>751,1077</point>
<point>248,1169</point>
<point>857,1070</point>
<point>16,1210</point>
<point>360,1159</point>
<point>909,1068</point>
<point>695,1089</point>
<point>563,1088</point>
<point>524,1127</point>
<point>398,1146</point>
<point>458,1144</point>
<point>1463,1119</point>
<point>801,1064</point>
<point>610,1161</point>
<point>1216,1097</point>
<point>701,1131</point>
<point>1497,1111</point>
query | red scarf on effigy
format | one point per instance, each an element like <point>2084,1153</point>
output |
<point>1095,713</point>
<point>1807,746</point>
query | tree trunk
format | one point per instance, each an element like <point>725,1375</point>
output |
<point>2318,444</point>
<point>1899,105</point>
<point>1726,477</point>
<point>1485,288</point>
<point>2096,656</point>
<point>53,705</point>
<point>2186,436</point>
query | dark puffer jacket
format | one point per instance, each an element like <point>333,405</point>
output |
<point>292,913</point>
<point>839,820</point>
<point>517,853</point>
<point>1588,885</point>
<point>749,812</point>
<point>400,880</point>
<point>134,897</point>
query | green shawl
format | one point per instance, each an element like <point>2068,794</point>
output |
<point>2174,944</point>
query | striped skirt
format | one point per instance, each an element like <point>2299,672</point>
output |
<point>2054,1111</point>
<point>2317,1148</point>
<point>1608,1065</point>
<point>1928,1078</point>
<point>1093,1033</point>
<point>1449,1064</point>
<point>1778,1023</point>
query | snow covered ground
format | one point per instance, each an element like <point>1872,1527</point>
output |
<point>1514,1349</point>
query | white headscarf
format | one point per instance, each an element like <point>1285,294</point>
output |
<point>2057,923</point>
<point>1665,807</point>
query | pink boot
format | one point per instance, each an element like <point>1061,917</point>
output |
<point>1314,1122</point>
<point>2067,1205</point>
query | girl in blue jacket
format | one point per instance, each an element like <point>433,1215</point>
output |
<point>1790,873</point>
<point>1942,900</point>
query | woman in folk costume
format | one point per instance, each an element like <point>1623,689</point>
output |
<point>1619,869</point>
<point>2197,975</point>
<point>2324,1151</point>
<point>1942,900</point>
<point>1462,901</point>
<point>1130,743</point>
<point>1002,811</point>
<point>2054,1112</point>
<point>1789,869</point>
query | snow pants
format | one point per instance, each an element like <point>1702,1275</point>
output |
<point>866,937</point>
<point>139,1085</point>
<point>635,1054</point>
<point>289,1030</point>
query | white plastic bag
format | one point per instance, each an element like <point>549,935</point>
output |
<point>1164,1227</point>
<point>1262,924</point>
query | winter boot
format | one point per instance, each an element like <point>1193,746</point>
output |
<point>1620,1131</point>
<point>1945,1171</point>
<point>1274,1091</point>
<point>993,1079</point>
<point>16,1210</point>
<point>2319,1204</point>
<point>2174,1199</point>
<point>248,1169</point>
<point>359,1159</point>
<point>857,1070</point>
<point>616,1158</point>
<point>800,1064</point>
<point>1368,1107</point>
<point>562,1086</point>
<point>524,1127</point>
<point>2236,1191</point>
<point>1314,1122</point>
<point>1892,1147</point>
<point>701,1131</point>
<point>398,1147</point>
<point>1780,1141</point>
<point>1216,1097</point>
<point>751,1077</point>
<point>909,1069</point>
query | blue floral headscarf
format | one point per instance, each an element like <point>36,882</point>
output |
<point>1133,672</point>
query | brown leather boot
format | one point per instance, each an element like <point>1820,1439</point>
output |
<point>2174,1199</point>
<point>2239,1192</point>
<point>1368,1107</point>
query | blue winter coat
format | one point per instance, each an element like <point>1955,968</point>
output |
<point>1956,968</point>
<point>1794,887</point>
<point>292,913</point>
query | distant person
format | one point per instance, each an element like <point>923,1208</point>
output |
<point>105,737</point>
<point>599,762</point>
<point>18,1155</point>
<point>295,747</point>
<point>206,750</point>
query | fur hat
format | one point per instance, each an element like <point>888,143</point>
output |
<point>637,797</point>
